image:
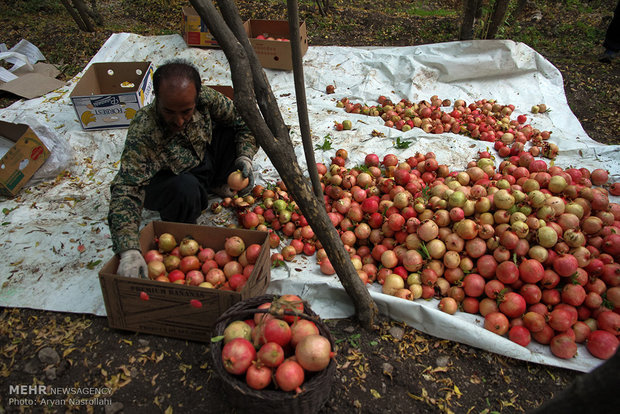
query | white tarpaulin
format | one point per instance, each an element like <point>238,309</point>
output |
<point>55,235</point>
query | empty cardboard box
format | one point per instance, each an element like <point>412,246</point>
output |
<point>110,94</point>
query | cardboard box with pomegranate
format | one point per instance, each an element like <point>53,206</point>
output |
<point>110,93</point>
<point>22,153</point>
<point>270,40</point>
<point>176,310</point>
<point>195,31</point>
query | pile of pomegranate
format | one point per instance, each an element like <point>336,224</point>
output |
<point>279,352</point>
<point>485,119</point>
<point>189,263</point>
<point>532,247</point>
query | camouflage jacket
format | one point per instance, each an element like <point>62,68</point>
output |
<point>148,150</point>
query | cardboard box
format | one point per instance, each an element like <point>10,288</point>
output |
<point>109,94</point>
<point>179,311</point>
<point>22,159</point>
<point>196,32</point>
<point>275,54</point>
<point>227,91</point>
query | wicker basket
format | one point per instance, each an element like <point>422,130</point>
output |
<point>315,389</point>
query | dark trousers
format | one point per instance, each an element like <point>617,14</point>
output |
<point>183,197</point>
<point>612,36</point>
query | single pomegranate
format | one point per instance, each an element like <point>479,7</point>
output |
<point>520,335</point>
<point>258,376</point>
<point>302,328</point>
<point>276,330</point>
<point>602,344</point>
<point>563,346</point>
<point>236,181</point>
<point>270,354</point>
<point>496,322</point>
<point>289,376</point>
<point>314,352</point>
<point>237,356</point>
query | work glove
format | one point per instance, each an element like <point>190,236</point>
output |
<point>244,164</point>
<point>222,190</point>
<point>132,264</point>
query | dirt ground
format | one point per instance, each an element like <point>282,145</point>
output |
<point>395,369</point>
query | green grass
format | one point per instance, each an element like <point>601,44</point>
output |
<point>416,11</point>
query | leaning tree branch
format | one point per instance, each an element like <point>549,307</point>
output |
<point>272,135</point>
<point>300,94</point>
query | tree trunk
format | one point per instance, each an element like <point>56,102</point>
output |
<point>300,94</point>
<point>251,89</point>
<point>82,15</point>
<point>497,19</point>
<point>83,12</point>
<point>323,6</point>
<point>74,15</point>
<point>94,13</point>
<point>467,24</point>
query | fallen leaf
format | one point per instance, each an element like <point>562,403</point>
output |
<point>67,352</point>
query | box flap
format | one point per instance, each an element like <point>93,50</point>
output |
<point>32,85</point>
<point>12,131</point>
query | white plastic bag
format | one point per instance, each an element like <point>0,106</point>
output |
<point>61,152</point>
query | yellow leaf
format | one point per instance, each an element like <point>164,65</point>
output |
<point>168,410</point>
<point>375,393</point>
<point>415,397</point>
<point>127,341</point>
<point>457,391</point>
<point>67,352</point>
<point>125,370</point>
<point>159,358</point>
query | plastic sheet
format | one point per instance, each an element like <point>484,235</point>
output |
<point>56,232</point>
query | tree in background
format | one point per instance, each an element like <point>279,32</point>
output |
<point>83,15</point>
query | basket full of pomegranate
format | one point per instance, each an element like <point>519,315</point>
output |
<point>273,352</point>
